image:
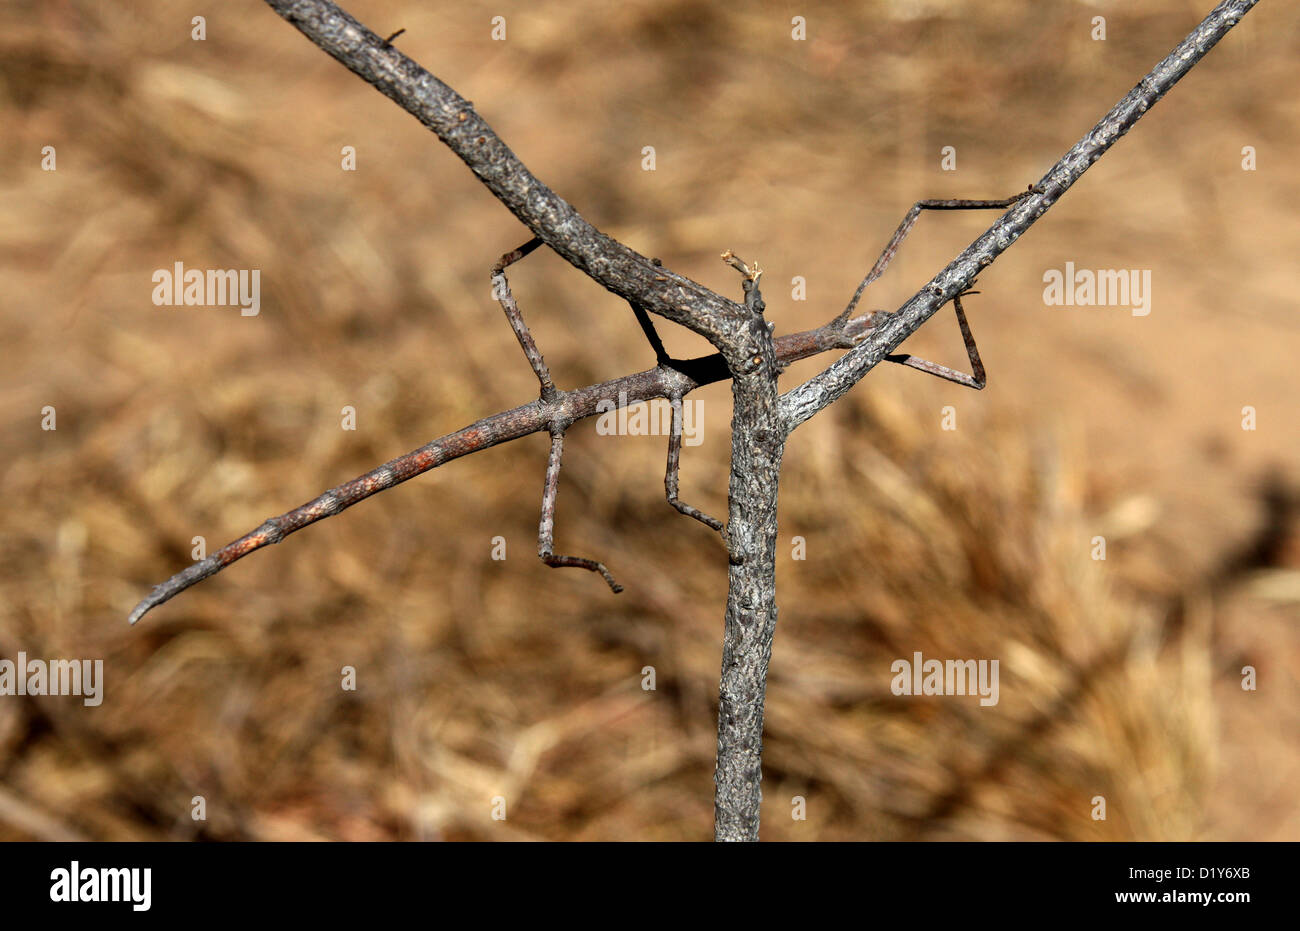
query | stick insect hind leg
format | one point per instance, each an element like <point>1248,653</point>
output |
<point>977,379</point>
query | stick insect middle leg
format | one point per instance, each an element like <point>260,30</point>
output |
<point>671,473</point>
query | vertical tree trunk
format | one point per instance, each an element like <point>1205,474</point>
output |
<point>758,436</point>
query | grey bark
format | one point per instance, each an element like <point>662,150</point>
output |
<point>758,437</point>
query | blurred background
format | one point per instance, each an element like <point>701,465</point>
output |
<point>479,678</point>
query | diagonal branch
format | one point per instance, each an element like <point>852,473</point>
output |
<point>552,219</point>
<point>813,395</point>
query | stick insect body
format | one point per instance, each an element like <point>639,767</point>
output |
<point>555,411</point>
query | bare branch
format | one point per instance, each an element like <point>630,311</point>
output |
<point>552,219</point>
<point>758,436</point>
<point>806,400</point>
<point>760,428</point>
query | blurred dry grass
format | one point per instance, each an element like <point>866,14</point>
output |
<point>481,678</point>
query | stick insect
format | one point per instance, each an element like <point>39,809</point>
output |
<point>556,410</point>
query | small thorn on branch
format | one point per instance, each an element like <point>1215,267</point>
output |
<point>753,274</point>
<point>753,297</point>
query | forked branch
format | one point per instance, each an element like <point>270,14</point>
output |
<point>747,354</point>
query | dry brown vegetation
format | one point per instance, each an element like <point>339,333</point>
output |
<point>480,678</point>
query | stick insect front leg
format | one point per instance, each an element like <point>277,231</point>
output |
<point>501,291</point>
<point>551,490</point>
